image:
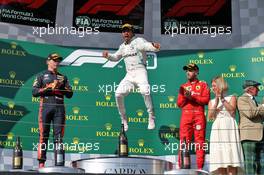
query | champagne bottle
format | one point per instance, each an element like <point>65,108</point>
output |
<point>186,156</point>
<point>181,156</point>
<point>17,155</point>
<point>59,152</point>
<point>123,143</point>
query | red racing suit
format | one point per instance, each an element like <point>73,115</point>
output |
<point>193,117</point>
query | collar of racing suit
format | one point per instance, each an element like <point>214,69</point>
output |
<point>49,71</point>
<point>130,40</point>
<point>194,81</point>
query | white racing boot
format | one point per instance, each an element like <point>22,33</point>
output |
<point>151,123</point>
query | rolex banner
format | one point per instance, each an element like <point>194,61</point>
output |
<point>92,119</point>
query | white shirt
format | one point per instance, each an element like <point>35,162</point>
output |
<point>251,96</point>
<point>134,53</point>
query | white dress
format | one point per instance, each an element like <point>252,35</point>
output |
<point>225,146</point>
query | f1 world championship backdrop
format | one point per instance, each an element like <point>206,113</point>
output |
<point>109,16</point>
<point>196,17</point>
<point>92,120</point>
<point>29,12</point>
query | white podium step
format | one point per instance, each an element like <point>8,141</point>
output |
<point>123,165</point>
<point>60,169</point>
<point>187,172</point>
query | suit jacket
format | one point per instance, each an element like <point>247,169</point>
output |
<point>251,118</point>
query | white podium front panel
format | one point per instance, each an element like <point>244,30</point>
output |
<point>123,165</point>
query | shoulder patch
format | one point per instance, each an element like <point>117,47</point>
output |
<point>35,81</point>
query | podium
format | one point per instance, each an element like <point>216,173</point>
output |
<point>60,169</point>
<point>45,170</point>
<point>123,165</point>
<point>187,172</point>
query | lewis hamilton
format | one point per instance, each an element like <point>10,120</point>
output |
<point>133,51</point>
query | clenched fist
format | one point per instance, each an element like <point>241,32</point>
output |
<point>53,85</point>
<point>105,54</point>
<point>156,45</point>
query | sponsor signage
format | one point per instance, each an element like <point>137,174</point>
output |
<point>109,16</point>
<point>29,12</point>
<point>196,17</point>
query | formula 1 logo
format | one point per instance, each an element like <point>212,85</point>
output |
<point>118,7</point>
<point>185,7</point>
<point>82,56</point>
<point>33,4</point>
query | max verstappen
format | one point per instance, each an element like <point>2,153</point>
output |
<point>51,87</point>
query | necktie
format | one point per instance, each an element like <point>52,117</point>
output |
<point>254,99</point>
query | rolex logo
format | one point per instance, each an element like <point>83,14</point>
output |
<point>75,140</point>
<point>13,45</point>
<point>171,98</point>
<point>172,127</point>
<point>108,97</point>
<point>140,112</point>
<point>108,126</point>
<point>200,54</point>
<point>76,81</point>
<point>75,110</point>
<point>10,136</point>
<point>12,74</point>
<point>232,68</point>
<point>11,104</point>
<point>141,142</point>
<point>261,52</point>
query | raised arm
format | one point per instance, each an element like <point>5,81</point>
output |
<point>38,89</point>
<point>248,109</point>
<point>113,57</point>
<point>204,98</point>
<point>181,101</point>
<point>148,46</point>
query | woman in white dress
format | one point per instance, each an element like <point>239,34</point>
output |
<point>226,154</point>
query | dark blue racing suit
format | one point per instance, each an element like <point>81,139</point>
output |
<point>51,107</point>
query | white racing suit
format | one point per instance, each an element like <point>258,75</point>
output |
<point>134,54</point>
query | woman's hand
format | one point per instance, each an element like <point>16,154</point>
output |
<point>216,100</point>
